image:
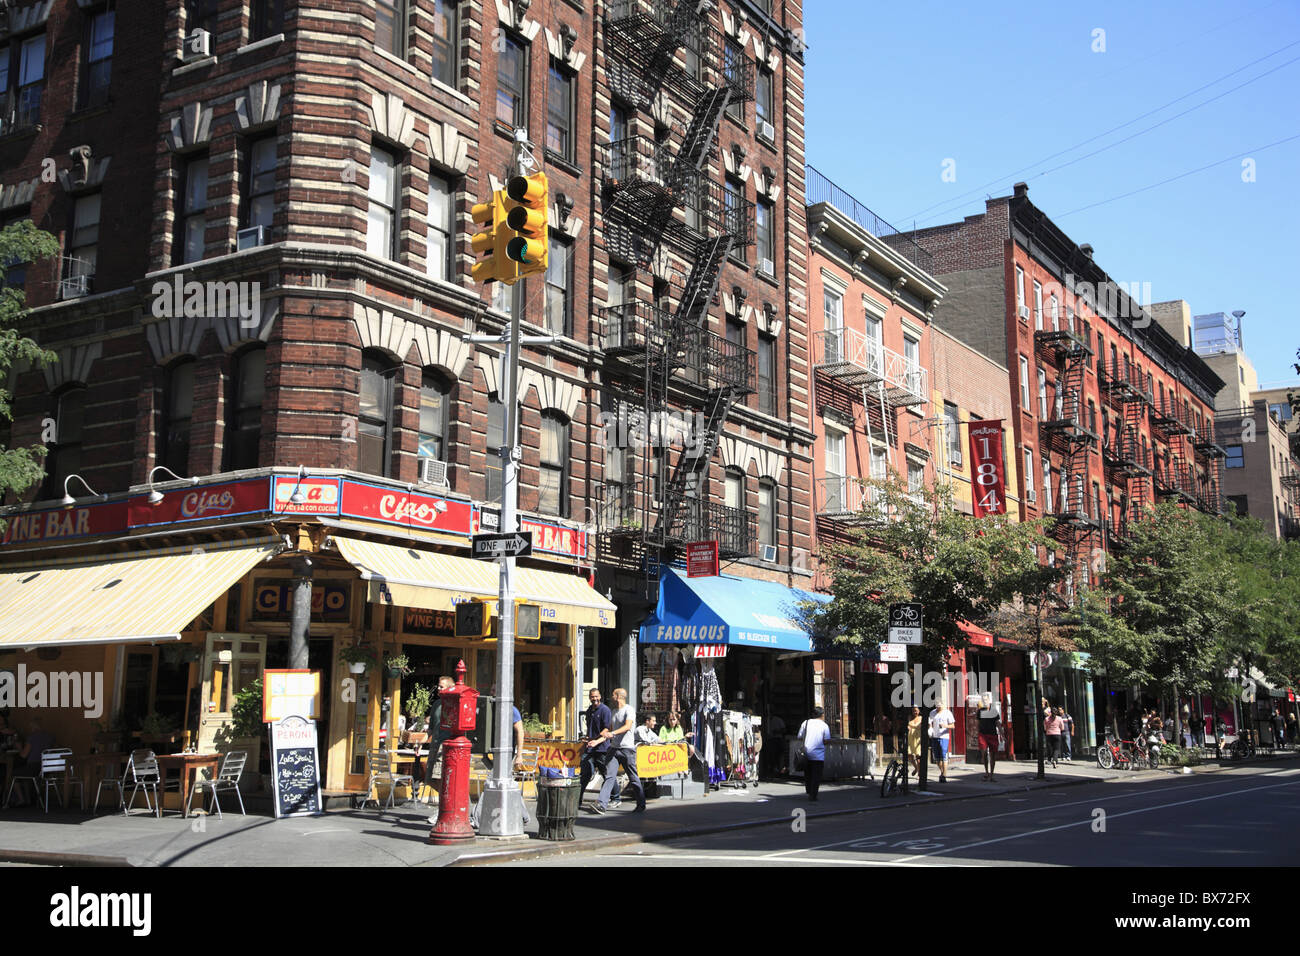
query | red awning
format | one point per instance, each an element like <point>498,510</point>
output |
<point>977,635</point>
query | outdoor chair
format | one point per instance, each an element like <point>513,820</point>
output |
<point>117,784</point>
<point>56,770</point>
<point>144,773</point>
<point>232,768</point>
<point>380,766</point>
<point>18,778</point>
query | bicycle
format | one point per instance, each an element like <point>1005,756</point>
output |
<point>891,780</point>
<point>1121,753</point>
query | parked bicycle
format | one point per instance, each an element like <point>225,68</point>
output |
<point>1125,754</point>
<point>891,783</point>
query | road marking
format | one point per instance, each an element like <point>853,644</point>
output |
<point>992,816</point>
<point>1088,821</point>
<point>831,861</point>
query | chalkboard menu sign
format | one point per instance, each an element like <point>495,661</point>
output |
<point>296,766</point>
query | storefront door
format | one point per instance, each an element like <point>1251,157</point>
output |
<point>230,663</point>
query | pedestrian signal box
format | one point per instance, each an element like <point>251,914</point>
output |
<point>474,619</point>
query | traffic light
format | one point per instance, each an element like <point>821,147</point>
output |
<point>528,621</point>
<point>491,244</point>
<point>473,619</point>
<point>527,198</point>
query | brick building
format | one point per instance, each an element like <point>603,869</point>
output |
<point>264,215</point>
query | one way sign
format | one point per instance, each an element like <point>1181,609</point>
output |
<point>488,547</point>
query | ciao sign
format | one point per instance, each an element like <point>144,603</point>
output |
<point>558,754</point>
<point>659,761</point>
<point>273,600</point>
<point>409,509</point>
<point>199,504</point>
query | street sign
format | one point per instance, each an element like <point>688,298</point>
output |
<point>488,547</point>
<point>893,652</point>
<point>701,559</point>
<point>905,623</point>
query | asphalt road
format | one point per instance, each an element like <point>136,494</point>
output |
<point>1241,817</point>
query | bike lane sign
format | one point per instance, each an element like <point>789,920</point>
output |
<point>905,623</point>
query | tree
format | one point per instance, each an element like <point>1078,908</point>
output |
<point>20,243</point>
<point>917,548</point>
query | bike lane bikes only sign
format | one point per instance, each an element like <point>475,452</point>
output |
<point>905,623</point>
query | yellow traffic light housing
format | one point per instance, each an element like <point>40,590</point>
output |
<point>527,199</point>
<point>495,266</point>
<point>474,618</point>
<point>528,621</point>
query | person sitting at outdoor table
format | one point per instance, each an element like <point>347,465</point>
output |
<point>8,736</point>
<point>645,734</point>
<point>672,731</point>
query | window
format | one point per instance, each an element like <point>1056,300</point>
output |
<point>512,82</point>
<point>952,434</point>
<point>506,298</point>
<point>553,476</point>
<point>559,113</point>
<point>97,60</point>
<point>912,364</point>
<point>915,477</point>
<point>1042,394</point>
<point>764,101</point>
<point>1020,289</point>
<point>193,220</point>
<point>22,81</point>
<point>833,323</point>
<point>733,62</point>
<point>64,456</point>
<point>733,489</point>
<point>244,409</point>
<point>733,213</point>
<point>1096,502</point>
<point>767,374</point>
<point>381,224</point>
<point>258,206</point>
<point>618,126</point>
<point>1047,484</point>
<point>200,15</point>
<point>1054,308</point>
<point>766,238</point>
<point>1038,305</point>
<point>446,43</point>
<point>435,403</point>
<point>735,332</point>
<point>83,249</point>
<point>1236,456</point>
<point>390,26</point>
<point>439,242</point>
<point>766,511</point>
<point>496,437</point>
<point>1030,494</point>
<point>174,449</point>
<point>266,19</point>
<point>1024,383</point>
<point>14,269</point>
<point>834,453</point>
<point>375,417</point>
<point>559,283</point>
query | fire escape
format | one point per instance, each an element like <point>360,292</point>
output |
<point>1069,432</point>
<point>1125,455</point>
<point>665,371</point>
<point>1175,479</point>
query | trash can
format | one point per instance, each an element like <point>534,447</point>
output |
<point>558,799</point>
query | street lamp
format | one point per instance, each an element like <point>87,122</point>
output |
<point>68,501</point>
<point>155,496</point>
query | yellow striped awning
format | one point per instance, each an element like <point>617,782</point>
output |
<point>104,600</point>
<point>413,577</point>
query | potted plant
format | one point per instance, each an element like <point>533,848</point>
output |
<point>397,665</point>
<point>359,659</point>
<point>417,706</point>
<point>156,729</point>
<point>245,732</point>
<point>534,727</point>
<point>109,734</point>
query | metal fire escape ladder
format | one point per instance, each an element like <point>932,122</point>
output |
<point>691,462</point>
<point>698,139</point>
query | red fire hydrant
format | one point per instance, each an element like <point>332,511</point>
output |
<point>459,715</point>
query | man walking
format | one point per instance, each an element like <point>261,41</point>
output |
<point>941,722</point>
<point>814,733</point>
<point>595,753</point>
<point>622,737</point>
<point>990,718</point>
<point>437,736</point>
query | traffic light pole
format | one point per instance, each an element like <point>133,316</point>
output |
<point>501,809</point>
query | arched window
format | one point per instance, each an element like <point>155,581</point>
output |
<point>64,457</point>
<point>553,476</point>
<point>375,415</point>
<point>178,411</point>
<point>435,404</point>
<point>244,409</point>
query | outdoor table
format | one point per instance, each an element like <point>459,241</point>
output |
<point>188,767</point>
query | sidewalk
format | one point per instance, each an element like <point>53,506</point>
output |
<point>397,837</point>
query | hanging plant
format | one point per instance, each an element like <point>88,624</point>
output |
<point>358,658</point>
<point>397,665</point>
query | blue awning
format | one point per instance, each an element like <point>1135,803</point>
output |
<point>728,610</point>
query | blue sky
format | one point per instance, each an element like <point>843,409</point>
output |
<point>997,88</point>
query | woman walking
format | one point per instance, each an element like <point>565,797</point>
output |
<point>1067,731</point>
<point>914,741</point>
<point>1052,727</point>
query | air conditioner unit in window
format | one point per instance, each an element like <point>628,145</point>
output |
<point>250,238</point>
<point>74,287</point>
<point>768,267</point>
<point>767,131</point>
<point>197,44</point>
<point>1024,312</point>
<point>769,553</point>
<point>433,472</point>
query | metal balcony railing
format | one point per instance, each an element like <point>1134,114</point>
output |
<point>1126,457</point>
<point>637,161</point>
<point>640,326</point>
<point>727,364</point>
<point>734,529</point>
<point>1175,480</point>
<point>853,358</point>
<point>1121,384</point>
<point>1170,418</point>
<point>846,499</point>
<point>1062,344</point>
<point>819,189</point>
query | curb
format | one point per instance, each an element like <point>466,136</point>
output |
<point>632,839</point>
<point>44,858</point>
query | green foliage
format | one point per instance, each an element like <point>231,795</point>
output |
<point>246,713</point>
<point>418,701</point>
<point>397,664</point>
<point>156,725</point>
<point>533,725</point>
<point>357,654</point>
<point>960,568</point>
<point>21,242</point>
